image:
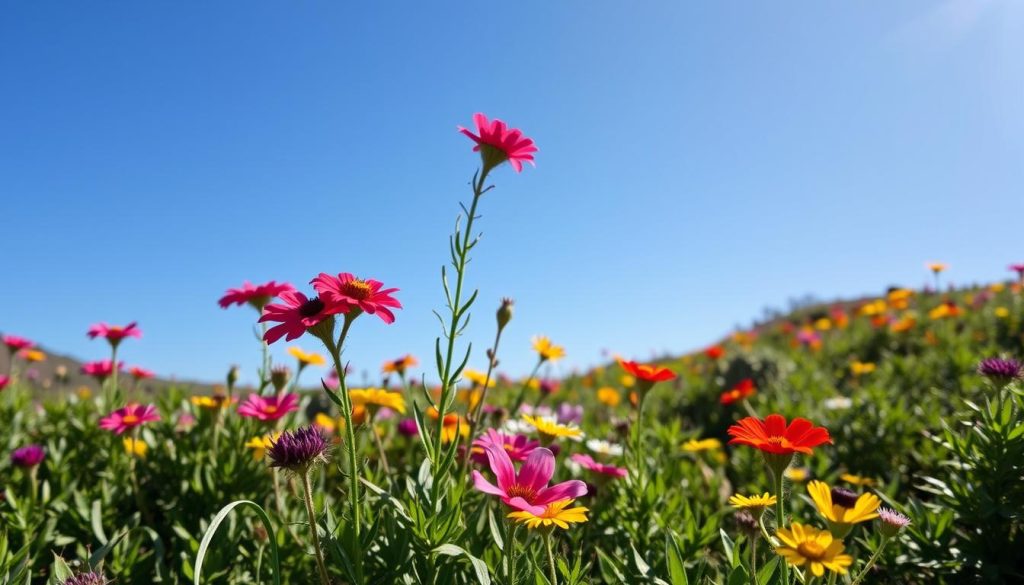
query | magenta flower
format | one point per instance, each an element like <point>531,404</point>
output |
<point>518,447</point>
<point>407,427</point>
<point>129,417</point>
<point>588,463</point>
<point>15,344</point>
<point>28,456</point>
<point>528,489</point>
<point>296,315</point>
<point>268,408</point>
<point>569,413</point>
<point>1018,268</point>
<point>496,143</point>
<point>256,295</point>
<point>140,373</point>
<point>114,334</point>
<point>100,370</point>
<point>4,381</point>
<point>346,292</point>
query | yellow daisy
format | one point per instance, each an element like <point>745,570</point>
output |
<point>807,545</point>
<point>369,397</point>
<point>841,507</point>
<point>136,447</point>
<point>797,474</point>
<point>858,480</point>
<point>698,445</point>
<point>858,368</point>
<point>609,396</point>
<point>546,350</point>
<point>306,358</point>
<point>755,503</point>
<point>212,402</point>
<point>556,513</point>
<point>550,429</point>
<point>325,422</point>
<point>259,445</point>
<point>478,378</point>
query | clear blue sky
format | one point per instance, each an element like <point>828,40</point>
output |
<point>698,161</point>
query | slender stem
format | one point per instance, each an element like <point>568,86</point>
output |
<point>753,559</point>
<point>780,516</point>
<point>264,359</point>
<point>314,529</point>
<point>832,578</point>
<point>350,447</point>
<point>279,502</point>
<point>380,449</point>
<point>474,415</point>
<point>112,392</point>
<point>553,574</point>
<point>522,389</point>
<point>140,500</point>
<point>871,562</point>
<point>637,440</point>
<point>510,552</point>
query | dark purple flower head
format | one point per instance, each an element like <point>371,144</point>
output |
<point>28,456</point>
<point>1002,371</point>
<point>89,578</point>
<point>891,522</point>
<point>299,449</point>
<point>408,428</point>
<point>747,524</point>
<point>844,497</point>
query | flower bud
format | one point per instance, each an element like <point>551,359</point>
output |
<point>279,377</point>
<point>505,312</point>
<point>232,377</point>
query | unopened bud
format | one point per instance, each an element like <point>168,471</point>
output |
<point>279,377</point>
<point>232,378</point>
<point>505,312</point>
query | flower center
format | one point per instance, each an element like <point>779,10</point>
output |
<point>522,491</point>
<point>311,307</point>
<point>270,409</point>
<point>775,440</point>
<point>357,289</point>
<point>811,550</point>
<point>844,497</point>
<point>130,419</point>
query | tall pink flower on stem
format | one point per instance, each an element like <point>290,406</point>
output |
<point>353,296</point>
<point>140,373</point>
<point>268,408</point>
<point>587,462</point>
<point>4,381</point>
<point>129,417</point>
<point>256,296</point>
<point>297,314</point>
<point>528,488</point>
<point>114,334</point>
<point>518,447</point>
<point>496,143</point>
<point>100,370</point>
<point>14,345</point>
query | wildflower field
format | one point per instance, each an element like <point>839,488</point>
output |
<point>874,441</point>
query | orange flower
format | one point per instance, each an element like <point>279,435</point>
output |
<point>740,391</point>
<point>648,374</point>
<point>714,352</point>
<point>771,435</point>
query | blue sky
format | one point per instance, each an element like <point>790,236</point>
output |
<point>698,161</point>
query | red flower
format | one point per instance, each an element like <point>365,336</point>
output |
<point>114,333</point>
<point>496,143</point>
<point>346,292</point>
<point>773,436</point>
<point>100,370</point>
<point>714,352</point>
<point>15,344</point>
<point>140,373</point>
<point>742,390</point>
<point>649,374</point>
<point>256,295</point>
<point>296,314</point>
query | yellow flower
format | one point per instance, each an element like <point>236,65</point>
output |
<point>842,515</point>
<point>627,381</point>
<point>368,397</point>
<point>823,324</point>
<point>547,350</point>
<point>478,377</point>
<point>455,425</point>
<point>306,359</point>
<point>549,429</point>
<point>860,368</point>
<point>806,544</point>
<point>698,445</point>
<point>556,513</point>
<point>259,445</point>
<point>942,311</point>
<point>904,323</point>
<point>997,287</point>
<point>857,480</point>
<point>84,392</point>
<point>797,474</point>
<point>325,422</point>
<point>873,308</point>
<point>937,267</point>
<point>136,447</point>
<point>400,365</point>
<point>212,402</point>
<point>32,355</point>
<point>1002,312</point>
<point>754,503</point>
<point>900,298</point>
<point>609,396</point>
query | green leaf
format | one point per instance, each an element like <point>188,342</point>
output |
<point>676,568</point>
<point>483,575</point>
<point>215,523</point>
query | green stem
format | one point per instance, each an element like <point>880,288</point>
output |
<point>780,516</point>
<point>314,529</point>
<point>522,389</point>
<point>510,552</point>
<point>112,392</point>
<point>637,440</point>
<point>264,359</point>
<point>871,562</point>
<point>474,416</point>
<point>553,574</point>
<point>350,446</point>
<point>380,449</point>
<point>753,559</point>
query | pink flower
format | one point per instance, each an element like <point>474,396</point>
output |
<point>267,408</point>
<point>16,344</point>
<point>4,381</point>
<point>114,333</point>
<point>140,373</point>
<point>185,422</point>
<point>1018,268</point>
<point>100,370</point>
<point>296,314</point>
<point>496,143</point>
<point>528,489</point>
<point>129,417</point>
<point>346,292</point>
<point>518,447</point>
<point>256,295</point>
<point>588,463</point>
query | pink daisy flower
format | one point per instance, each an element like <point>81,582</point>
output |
<point>114,334</point>
<point>496,143</point>
<point>347,292</point>
<point>528,489</point>
<point>518,447</point>
<point>4,381</point>
<point>588,463</point>
<point>129,417</point>
<point>296,314</point>
<point>15,344</point>
<point>100,370</point>
<point>269,408</point>
<point>140,373</point>
<point>256,295</point>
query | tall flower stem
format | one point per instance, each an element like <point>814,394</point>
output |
<point>780,513</point>
<point>871,562</point>
<point>474,415</point>
<point>552,573</point>
<point>313,528</point>
<point>640,471</point>
<point>510,552</point>
<point>522,389</point>
<point>380,449</point>
<point>112,392</point>
<point>753,559</point>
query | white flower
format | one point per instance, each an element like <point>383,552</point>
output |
<point>604,448</point>
<point>838,403</point>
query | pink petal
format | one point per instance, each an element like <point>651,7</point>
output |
<point>566,490</point>
<point>485,486</point>
<point>538,469</point>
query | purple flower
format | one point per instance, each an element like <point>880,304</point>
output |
<point>299,449</point>
<point>892,522</point>
<point>28,456</point>
<point>570,413</point>
<point>408,428</point>
<point>1001,371</point>
<point>89,578</point>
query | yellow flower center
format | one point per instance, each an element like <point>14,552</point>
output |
<point>522,491</point>
<point>270,409</point>
<point>811,550</point>
<point>130,419</point>
<point>357,289</point>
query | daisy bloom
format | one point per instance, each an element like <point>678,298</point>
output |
<point>797,474</point>
<point>255,295</point>
<point>454,425</point>
<point>129,417</point>
<point>374,398</point>
<point>740,391</point>
<point>140,373</point>
<point>698,445</point>
<point>269,408</point>
<point>777,441</point>
<point>518,447</point>
<point>609,396</point>
<point>353,296</point>
<point>549,429</point>
<point>296,314</point>
<point>858,368</point>
<point>4,381</point>
<point>477,378</point>
<point>841,507</point>
<point>401,365</point>
<point>555,514</point>
<point>135,447</point>
<point>857,480</point>
<point>528,488</point>
<point>756,504</point>
<point>645,376</point>
<point>803,545</point>
<point>602,447</point>
<point>213,402</point>
<point>588,463</point>
<point>15,344</point>
<point>28,456</point>
<point>32,355</point>
<point>937,267</point>
<point>546,350</point>
<point>891,522</point>
<point>259,445</point>
<point>114,334</point>
<point>496,144</point>
<point>325,422</point>
<point>306,358</point>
